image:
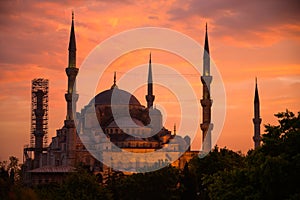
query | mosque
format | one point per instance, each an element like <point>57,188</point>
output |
<point>104,136</point>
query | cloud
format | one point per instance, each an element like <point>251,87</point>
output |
<point>153,17</point>
<point>242,13</point>
<point>243,19</point>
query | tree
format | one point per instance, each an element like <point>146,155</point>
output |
<point>11,170</point>
<point>187,184</point>
<point>216,161</point>
<point>82,185</point>
<point>160,184</point>
<point>10,185</point>
<point>283,137</point>
<point>270,172</point>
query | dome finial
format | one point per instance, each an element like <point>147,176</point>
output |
<point>174,128</point>
<point>114,85</point>
<point>115,78</point>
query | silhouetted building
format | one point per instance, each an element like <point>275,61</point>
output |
<point>103,129</point>
<point>256,119</point>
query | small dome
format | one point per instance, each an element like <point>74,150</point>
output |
<point>180,141</point>
<point>121,97</point>
<point>154,111</point>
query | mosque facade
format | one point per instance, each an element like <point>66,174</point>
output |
<point>113,132</point>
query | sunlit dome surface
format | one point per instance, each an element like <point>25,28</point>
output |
<point>121,97</point>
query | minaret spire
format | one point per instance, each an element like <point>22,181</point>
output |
<point>72,45</point>
<point>256,96</point>
<point>256,119</point>
<point>150,97</point>
<point>206,46</point>
<point>206,101</point>
<point>206,57</point>
<point>150,71</point>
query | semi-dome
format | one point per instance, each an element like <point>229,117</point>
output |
<point>120,97</point>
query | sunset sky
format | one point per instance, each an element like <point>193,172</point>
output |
<point>247,39</point>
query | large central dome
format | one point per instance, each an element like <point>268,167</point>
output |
<point>120,97</point>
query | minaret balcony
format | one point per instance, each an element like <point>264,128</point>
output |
<point>206,102</point>
<point>71,71</point>
<point>256,120</point>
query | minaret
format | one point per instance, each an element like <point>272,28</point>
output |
<point>150,97</point>
<point>256,119</point>
<point>206,102</point>
<point>71,72</point>
<point>71,98</point>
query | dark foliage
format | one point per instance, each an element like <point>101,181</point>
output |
<point>270,172</point>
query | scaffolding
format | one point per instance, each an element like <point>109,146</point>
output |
<point>42,85</point>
